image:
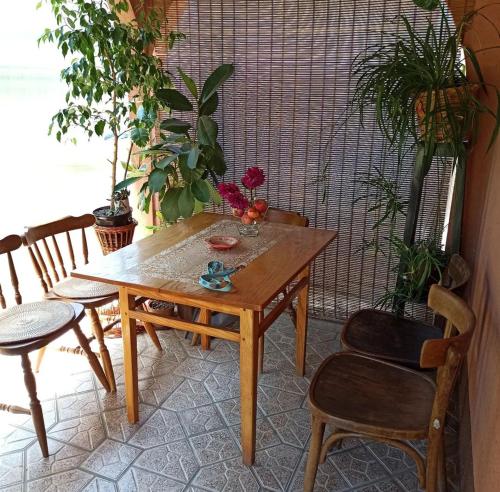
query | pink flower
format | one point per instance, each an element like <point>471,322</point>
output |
<point>253,178</point>
<point>233,195</point>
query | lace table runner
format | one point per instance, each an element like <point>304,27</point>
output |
<point>187,260</point>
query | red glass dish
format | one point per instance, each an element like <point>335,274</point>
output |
<point>222,242</point>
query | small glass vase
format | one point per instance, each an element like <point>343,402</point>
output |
<point>249,230</point>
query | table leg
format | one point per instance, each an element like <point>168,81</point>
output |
<point>204,318</point>
<point>248,382</point>
<point>301,325</point>
<point>129,334</point>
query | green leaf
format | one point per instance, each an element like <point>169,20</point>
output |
<point>99,127</point>
<point>140,136</point>
<point>193,155</point>
<point>157,180</point>
<point>210,106</point>
<point>175,100</point>
<point>214,194</point>
<point>126,182</point>
<point>215,80</point>
<point>207,131</point>
<point>170,205</point>
<point>166,161</point>
<point>186,173</point>
<point>215,160</point>
<point>175,125</point>
<point>188,82</point>
<point>200,190</point>
<point>186,202</point>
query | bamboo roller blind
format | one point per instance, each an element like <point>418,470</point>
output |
<point>281,111</point>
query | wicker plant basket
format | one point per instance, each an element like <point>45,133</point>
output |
<point>452,97</point>
<point>114,238</point>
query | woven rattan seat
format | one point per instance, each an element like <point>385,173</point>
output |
<point>75,288</point>
<point>34,320</point>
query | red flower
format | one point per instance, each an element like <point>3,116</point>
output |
<point>233,195</point>
<point>253,178</point>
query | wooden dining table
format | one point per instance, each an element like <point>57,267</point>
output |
<point>279,272</point>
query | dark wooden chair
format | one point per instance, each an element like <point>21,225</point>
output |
<point>364,397</point>
<point>273,215</point>
<point>386,336</point>
<point>48,261</point>
<point>28,327</point>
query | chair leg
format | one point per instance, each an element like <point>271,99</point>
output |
<point>318,429</point>
<point>261,355</point>
<point>195,339</point>
<point>103,350</point>
<point>39,358</point>
<point>36,408</point>
<point>93,361</point>
<point>150,330</point>
<point>442,482</point>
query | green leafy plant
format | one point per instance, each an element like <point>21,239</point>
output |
<point>424,262</point>
<point>188,154</point>
<point>111,76</point>
<point>416,69</point>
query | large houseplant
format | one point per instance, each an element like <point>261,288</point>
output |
<point>112,81</point>
<point>424,100</point>
<point>187,160</point>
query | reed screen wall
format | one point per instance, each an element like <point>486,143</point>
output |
<point>282,111</point>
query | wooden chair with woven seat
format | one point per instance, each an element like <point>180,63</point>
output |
<point>360,396</point>
<point>386,336</point>
<point>44,250</point>
<point>273,215</point>
<point>28,327</point>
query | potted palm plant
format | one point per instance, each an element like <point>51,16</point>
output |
<point>112,83</point>
<point>424,87</point>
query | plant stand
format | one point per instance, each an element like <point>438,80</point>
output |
<point>114,238</point>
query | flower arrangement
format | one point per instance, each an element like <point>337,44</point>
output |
<point>250,209</point>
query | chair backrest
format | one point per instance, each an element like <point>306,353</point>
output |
<point>7,245</point>
<point>446,354</point>
<point>36,237</point>
<point>456,274</point>
<point>286,217</point>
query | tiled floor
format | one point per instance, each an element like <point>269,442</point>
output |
<point>188,436</point>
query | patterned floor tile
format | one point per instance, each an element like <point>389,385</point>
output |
<point>293,427</point>
<point>230,369</point>
<point>78,405</point>
<point>119,428</point>
<point>112,400</point>
<point>274,466</point>
<point>110,459</point>
<point>266,436</point>
<point>228,476</point>
<point>325,348</point>
<point>155,390</point>
<point>328,478</point>
<point>276,361</point>
<point>15,439</point>
<point>230,410</point>
<point>279,380</point>
<point>62,457</point>
<point>222,387</point>
<point>137,480</point>
<point>320,331</point>
<point>161,428</point>
<point>150,367</point>
<point>358,466</point>
<point>408,481</point>
<point>224,352</point>
<point>13,488</point>
<point>175,460</point>
<point>201,420</point>
<point>68,384</point>
<point>189,394</point>
<point>100,485</point>
<point>69,481</point>
<point>86,432</point>
<point>214,446</point>
<point>386,485</point>
<point>273,400</point>
<point>394,459</point>
<point>11,468</point>
<point>195,369</point>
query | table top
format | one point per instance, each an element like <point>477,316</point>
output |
<point>253,287</point>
